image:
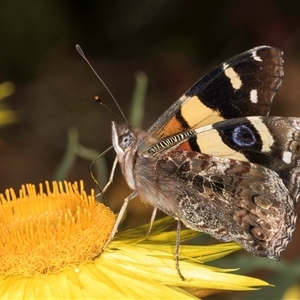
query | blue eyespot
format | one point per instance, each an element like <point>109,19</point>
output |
<point>243,136</point>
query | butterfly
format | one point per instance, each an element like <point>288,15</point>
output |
<point>216,162</point>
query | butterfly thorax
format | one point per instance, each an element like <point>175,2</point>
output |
<point>138,167</point>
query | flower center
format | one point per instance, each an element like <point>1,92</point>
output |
<point>46,231</point>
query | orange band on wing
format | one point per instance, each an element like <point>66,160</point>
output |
<point>185,146</point>
<point>173,126</point>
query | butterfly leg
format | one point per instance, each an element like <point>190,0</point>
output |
<point>110,180</point>
<point>111,176</point>
<point>177,249</point>
<point>151,221</point>
<point>177,241</point>
<point>119,218</point>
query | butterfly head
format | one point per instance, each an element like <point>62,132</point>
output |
<point>124,142</point>
<point>122,138</point>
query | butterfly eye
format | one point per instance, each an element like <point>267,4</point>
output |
<point>125,140</point>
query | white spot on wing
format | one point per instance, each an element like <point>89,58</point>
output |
<point>253,96</point>
<point>234,77</point>
<point>255,56</point>
<point>225,66</point>
<point>287,157</point>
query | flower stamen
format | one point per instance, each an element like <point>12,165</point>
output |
<point>45,231</point>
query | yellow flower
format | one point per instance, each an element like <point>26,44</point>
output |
<point>7,115</point>
<point>50,241</point>
<point>292,293</point>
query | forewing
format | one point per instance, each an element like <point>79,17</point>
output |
<point>242,86</point>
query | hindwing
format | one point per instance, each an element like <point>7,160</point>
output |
<point>272,142</point>
<point>230,200</point>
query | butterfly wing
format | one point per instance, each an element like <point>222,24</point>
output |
<point>242,86</point>
<point>230,200</point>
<point>271,142</point>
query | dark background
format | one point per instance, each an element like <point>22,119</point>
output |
<point>173,42</point>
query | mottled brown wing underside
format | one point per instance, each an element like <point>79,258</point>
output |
<point>231,200</point>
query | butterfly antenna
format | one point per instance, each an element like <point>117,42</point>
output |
<point>97,99</point>
<point>81,53</point>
